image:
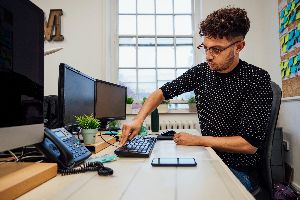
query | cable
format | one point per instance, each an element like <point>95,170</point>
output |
<point>106,141</point>
<point>31,154</point>
<point>25,154</point>
<point>33,158</point>
<point>10,159</point>
<point>14,155</point>
<point>22,153</point>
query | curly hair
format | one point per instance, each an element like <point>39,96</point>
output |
<point>226,22</point>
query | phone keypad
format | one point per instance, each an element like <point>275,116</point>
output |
<point>79,151</point>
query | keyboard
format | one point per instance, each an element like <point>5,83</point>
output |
<point>139,146</point>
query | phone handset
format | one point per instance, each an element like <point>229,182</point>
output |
<point>66,155</point>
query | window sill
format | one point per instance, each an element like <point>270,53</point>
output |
<point>172,111</point>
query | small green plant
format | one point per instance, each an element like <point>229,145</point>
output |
<point>144,99</point>
<point>129,100</point>
<point>87,122</point>
<point>192,100</point>
<point>165,102</point>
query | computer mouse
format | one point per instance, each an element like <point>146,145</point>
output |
<point>168,133</point>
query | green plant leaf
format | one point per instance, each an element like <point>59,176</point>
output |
<point>192,100</point>
<point>87,122</point>
<point>129,100</point>
<point>165,102</point>
<point>144,99</point>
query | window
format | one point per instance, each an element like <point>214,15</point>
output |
<point>155,43</point>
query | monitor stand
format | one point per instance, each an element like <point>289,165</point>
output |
<point>73,128</point>
<point>17,178</point>
<point>104,123</point>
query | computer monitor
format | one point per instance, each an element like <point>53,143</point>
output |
<point>21,74</point>
<point>76,94</point>
<point>110,102</point>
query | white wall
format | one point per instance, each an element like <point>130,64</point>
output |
<point>83,26</point>
<point>271,48</point>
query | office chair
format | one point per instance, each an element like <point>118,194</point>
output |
<point>266,189</point>
<point>51,111</point>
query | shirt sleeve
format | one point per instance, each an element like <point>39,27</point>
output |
<point>182,84</point>
<point>256,110</point>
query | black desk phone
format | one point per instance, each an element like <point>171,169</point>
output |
<point>62,147</point>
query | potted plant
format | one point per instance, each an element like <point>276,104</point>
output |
<point>192,104</point>
<point>89,127</point>
<point>163,107</point>
<point>129,102</point>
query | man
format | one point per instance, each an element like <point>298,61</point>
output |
<point>233,97</point>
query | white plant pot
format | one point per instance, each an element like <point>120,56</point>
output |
<point>89,135</point>
<point>128,108</point>
<point>192,107</point>
<point>163,108</point>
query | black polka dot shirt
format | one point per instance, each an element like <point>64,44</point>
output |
<point>237,103</point>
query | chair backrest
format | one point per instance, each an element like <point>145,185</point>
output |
<point>267,150</point>
<point>51,111</point>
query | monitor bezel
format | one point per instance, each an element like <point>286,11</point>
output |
<point>109,118</point>
<point>13,137</point>
<point>61,82</point>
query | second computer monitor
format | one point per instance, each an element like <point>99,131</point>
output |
<point>76,94</point>
<point>110,102</point>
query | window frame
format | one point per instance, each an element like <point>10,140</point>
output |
<point>114,70</point>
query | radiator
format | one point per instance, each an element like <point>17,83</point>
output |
<point>173,124</point>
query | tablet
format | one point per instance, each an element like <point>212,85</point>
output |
<point>178,162</point>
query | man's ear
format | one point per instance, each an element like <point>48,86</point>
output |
<point>240,46</point>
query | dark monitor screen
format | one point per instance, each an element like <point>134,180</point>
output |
<point>21,73</point>
<point>76,94</point>
<point>110,101</point>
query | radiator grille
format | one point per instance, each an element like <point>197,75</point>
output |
<point>173,124</point>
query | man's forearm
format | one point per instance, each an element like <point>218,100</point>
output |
<point>150,104</point>
<point>233,144</point>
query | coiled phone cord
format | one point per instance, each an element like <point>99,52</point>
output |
<point>88,167</point>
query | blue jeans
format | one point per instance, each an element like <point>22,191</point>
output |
<point>245,179</point>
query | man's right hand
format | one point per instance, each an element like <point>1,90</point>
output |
<point>129,130</point>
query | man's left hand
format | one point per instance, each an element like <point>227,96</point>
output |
<point>185,139</point>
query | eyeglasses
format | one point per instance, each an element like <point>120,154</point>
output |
<point>215,51</point>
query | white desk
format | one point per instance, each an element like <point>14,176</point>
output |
<point>135,178</point>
